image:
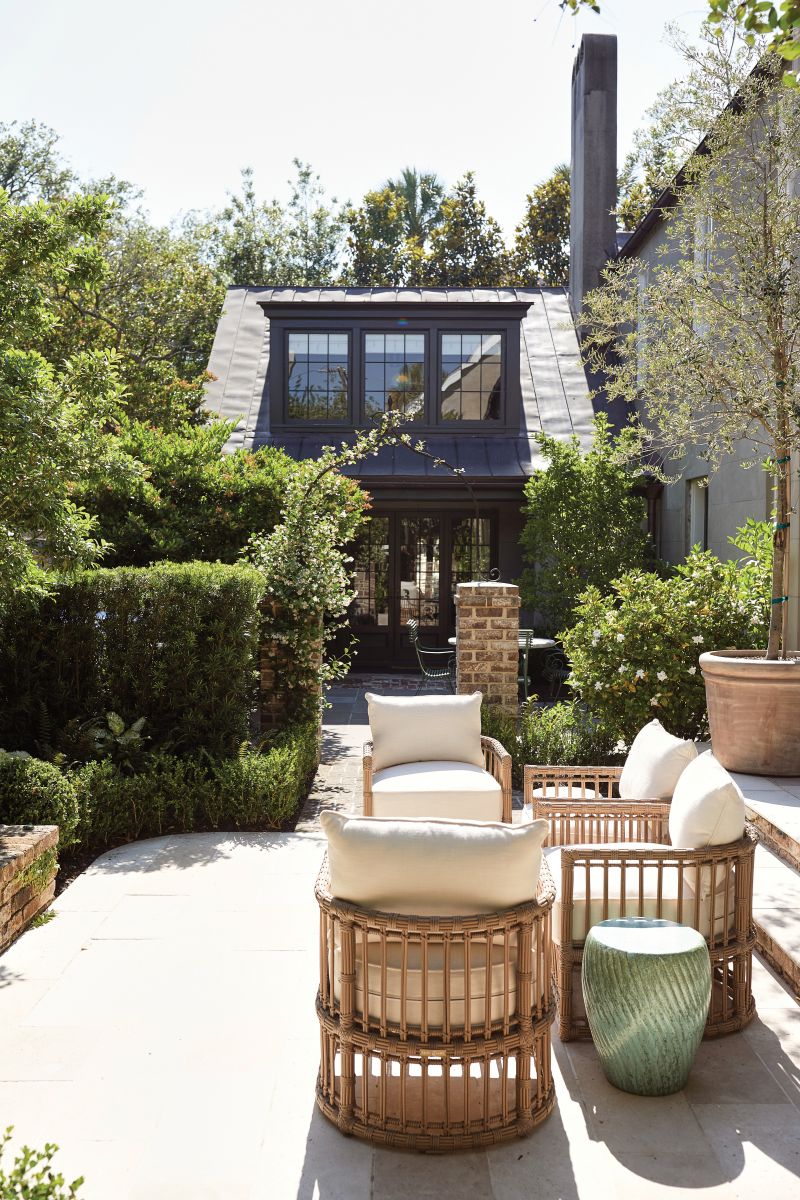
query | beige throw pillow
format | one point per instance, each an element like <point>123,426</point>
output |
<point>707,807</point>
<point>432,867</point>
<point>654,764</point>
<point>421,729</point>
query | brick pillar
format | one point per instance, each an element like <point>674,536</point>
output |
<point>487,638</point>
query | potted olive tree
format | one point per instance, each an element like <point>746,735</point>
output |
<point>704,342</point>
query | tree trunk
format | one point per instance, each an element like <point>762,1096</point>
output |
<point>776,647</point>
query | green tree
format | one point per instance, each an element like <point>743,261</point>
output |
<point>583,523</point>
<point>466,248</point>
<point>53,420</point>
<point>316,230</point>
<point>540,256</point>
<point>683,112</point>
<point>421,194</point>
<point>30,166</point>
<point>708,350</point>
<point>379,253</point>
<point>248,240</point>
<point>155,305</point>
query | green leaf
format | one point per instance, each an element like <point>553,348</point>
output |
<point>115,723</point>
<point>789,50</point>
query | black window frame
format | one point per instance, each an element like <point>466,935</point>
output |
<point>312,422</point>
<point>356,323</point>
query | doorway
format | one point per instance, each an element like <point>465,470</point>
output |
<point>407,566</point>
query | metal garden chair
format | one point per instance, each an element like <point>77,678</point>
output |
<point>436,665</point>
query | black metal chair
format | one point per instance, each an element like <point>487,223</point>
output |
<point>556,671</point>
<point>436,665</point>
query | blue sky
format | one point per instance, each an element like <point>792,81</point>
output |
<point>178,95</point>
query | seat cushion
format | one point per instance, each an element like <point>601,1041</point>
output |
<point>425,729</point>
<point>707,808</point>
<point>673,898</point>
<point>502,1003</point>
<point>654,764</point>
<point>437,789</point>
<point>432,867</point>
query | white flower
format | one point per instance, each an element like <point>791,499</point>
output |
<point>596,632</point>
<point>598,687</point>
<point>661,676</point>
<point>639,674</point>
<point>655,699</point>
<point>692,670</point>
<point>622,669</point>
<point>620,637</point>
<point>698,639</point>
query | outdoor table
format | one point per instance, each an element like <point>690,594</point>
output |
<point>646,987</point>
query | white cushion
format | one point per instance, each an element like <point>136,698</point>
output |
<point>502,1003</point>
<point>674,898</point>
<point>437,789</point>
<point>707,808</point>
<point>426,728</point>
<point>654,764</point>
<point>432,867</point>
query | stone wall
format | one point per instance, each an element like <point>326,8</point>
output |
<point>28,867</point>
<point>487,641</point>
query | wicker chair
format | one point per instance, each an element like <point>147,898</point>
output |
<point>619,852</point>
<point>496,760</point>
<point>433,1060</point>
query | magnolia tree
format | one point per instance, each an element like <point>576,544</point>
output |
<point>705,341</point>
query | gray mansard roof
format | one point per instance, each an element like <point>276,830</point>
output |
<point>555,394</point>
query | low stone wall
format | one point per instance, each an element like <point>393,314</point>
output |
<point>28,866</point>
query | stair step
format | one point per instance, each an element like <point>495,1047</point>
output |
<point>776,914</point>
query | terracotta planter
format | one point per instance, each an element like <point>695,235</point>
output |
<point>753,711</point>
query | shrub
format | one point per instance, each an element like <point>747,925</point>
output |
<point>37,793</point>
<point>583,524</point>
<point>563,734</point>
<point>190,501</point>
<point>31,1176</point>
<point>171,794</point>
<point>634,652</point>
<point>173,643</point>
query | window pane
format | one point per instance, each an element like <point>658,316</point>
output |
<point>471,377</point>
<point>394,373</point>
<point>317,376</point>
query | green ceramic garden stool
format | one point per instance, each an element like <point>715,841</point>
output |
<point>646,987</point>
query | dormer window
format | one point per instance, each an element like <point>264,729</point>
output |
<point>394,373</point>
<point>318,373</point>
<point>471,376</point>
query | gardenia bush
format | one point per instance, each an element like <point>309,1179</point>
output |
<point>634,652</point>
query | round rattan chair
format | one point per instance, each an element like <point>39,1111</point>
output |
<point>435,1031</point>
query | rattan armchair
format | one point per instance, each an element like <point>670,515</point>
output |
<point>442,1041</point>
<point>615,860</point>
<point>496,760</point>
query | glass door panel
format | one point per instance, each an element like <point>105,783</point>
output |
<point>370,609</point>
<point>418,567</point>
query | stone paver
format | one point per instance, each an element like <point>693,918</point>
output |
<point>162,1031</point>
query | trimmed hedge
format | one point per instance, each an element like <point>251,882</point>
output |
<point>98,806</point>
<point>37,793</point>
<point>562,734</point>
<point>175,643</point>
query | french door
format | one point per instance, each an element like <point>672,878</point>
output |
<point>407,566</point>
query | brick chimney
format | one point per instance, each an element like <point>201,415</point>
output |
<point>593,176</point>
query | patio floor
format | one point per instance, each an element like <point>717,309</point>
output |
<point>161,1030</point>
